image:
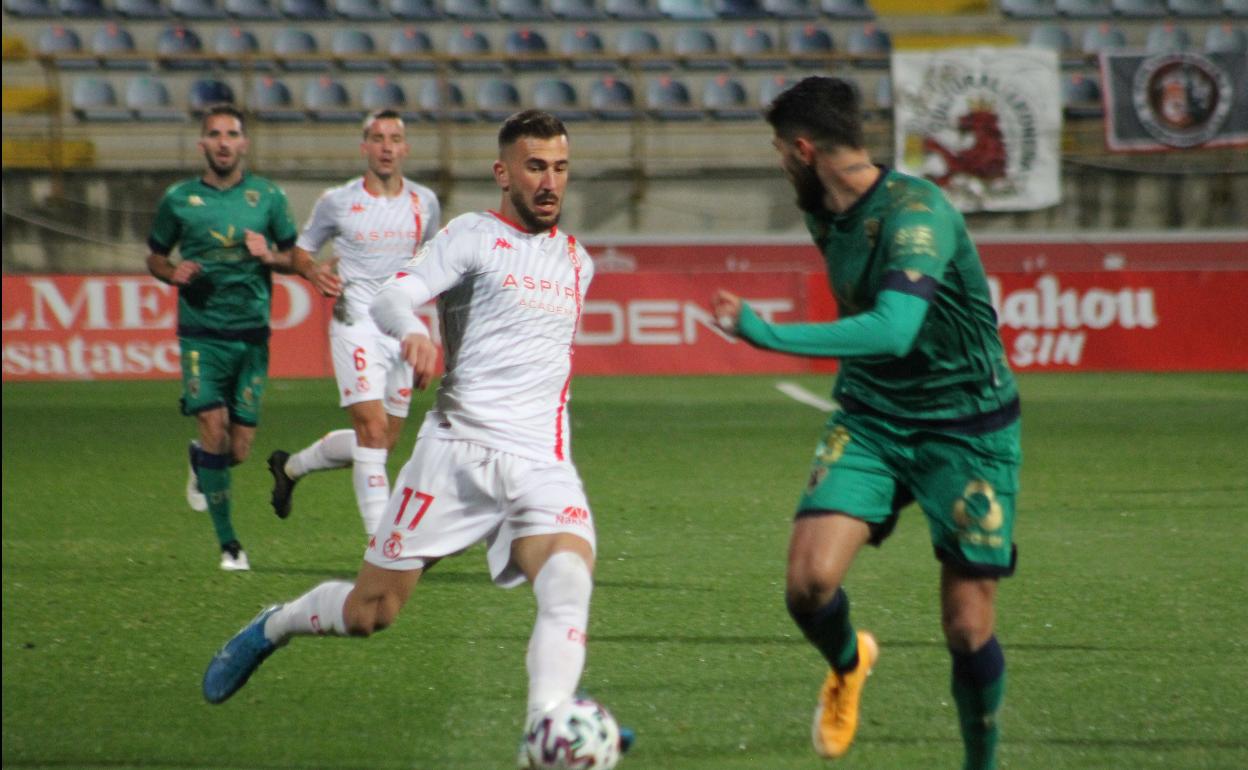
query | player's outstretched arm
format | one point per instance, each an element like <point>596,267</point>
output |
<point>888,329</point>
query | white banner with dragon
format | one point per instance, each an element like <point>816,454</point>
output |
<point>983,123</point>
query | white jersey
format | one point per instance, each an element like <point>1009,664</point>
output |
<point>373,235</point>
<point>509,303</point>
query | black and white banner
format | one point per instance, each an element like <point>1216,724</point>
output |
<point>983,123</point>
<point>1175,101</point>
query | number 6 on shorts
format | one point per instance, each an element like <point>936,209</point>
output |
<point>408,494</point>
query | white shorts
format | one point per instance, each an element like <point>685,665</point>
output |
<point>369,367</point>
<point>454,494</point>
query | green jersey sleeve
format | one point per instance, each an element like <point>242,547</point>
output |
<point>166,228</point>
<point>282,226</point>
<point>888,329</point>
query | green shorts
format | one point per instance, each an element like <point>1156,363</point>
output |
<point>869,468</point>
<point>229,373</point>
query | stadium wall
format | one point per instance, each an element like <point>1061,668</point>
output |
<point>1064,304</point>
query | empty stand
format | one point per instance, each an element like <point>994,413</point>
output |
<point>846,9</point>
<point>526,50</point>
<point>641,46</point>
<point>59,40</point>
<point>1054,37</point>
<point>686,10</point>
<point>251,10</point>
<point>177,46</point>
<point>1084,9</point>
<point>467,45</point>
<point>95,99</point>
<point>773,87</point>
<point>496,99</point>
<point>411,48</point>
<point>559,97</point>
<point>792,9</point>
<point>810,39</point>
<point>870,46</point>
<point>327,100</point>
<point>140,9</point>
<point>1224,38</point>
<point>148,99</point>
<point>1166,37</point>
<point>196,9</point>
<point>361,10</point>
<point>444,100</point>
<point>305,10</point>
<point>30,9</point>
<point>1138,9</point>
<point>724,98</point>
<point>1194,9</point>
<point>81,9</point>
<point>115,47</point>
<point>611,99</point>
<point>754,48</point>
<point>584,49</point>
<point>1029,9</point>
<point>576,10</point>
<point>355,51</point>
<point>522,10</point>
<point>739,10</point>
<point>1081,96</point>
<point>381,93</point>
<point>206,92</point>
<point>272,101</point>
<point>1103,37</point>
<point>415,10</point>
<point>697,49</point>
<point>667,98</point>
<point>469,10</point>
<point>238,47</point>
<point>631,10</point>
<point>297,50</point>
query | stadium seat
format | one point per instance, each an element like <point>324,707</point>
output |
<point>791,9</point>
<point>415,10</point>
<point>115,47</point>
<point>870,46</point>
<point>327,101</point>
<point>814,40</point>
<point>238,47</point>
<point>495,99</point>
<point>176,42</point>
<point>466,46</point>
<point>297,50</point>
<point>59,40</point>
<point>559,97</point>
<point>1236,8</point>
<point>697,49</point>
<point>668,99</point>
<point>584,49</point>
<point>883,95</point>
<point>1054,37</point>
<point>30,9</point>
<point>140,9</point>
<point>773,87</point>
<point>522,10</point>
<point>642,47</point>
<point>81,9</point>
<point>94,99</point>
<point>469,10</point>
<point>355,51</point>
<point>381,93</point>
<point>360,10</point>
<point>1029,9</point>
<point>1224,38</point>
<point>739,10</point>
<point>1138,9</point>
<point>1102,37</point>
<point>250,10</point>
<point>576,10</point>
<point>526,51</point>
<point>206,92</point>
<point>196,9</point>
<point>611,99</point>
<point>1165,37</point>
<point>305,10</point>
<point>1194,9</point>
<point>753,45</point>
<point>724,98</point>
<point>148,100</point>
<point>846,9</point>
<point>272,102</point>
<point>1083,9</point>
<point>1081,96</point>
<point>440,102</point>
<point>686,10</point>
<point>412,50</point>
<point>631,10</point>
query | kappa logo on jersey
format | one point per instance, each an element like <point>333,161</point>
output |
<point>502,243</point>
<point>357,208</point>
<point>573,515</point>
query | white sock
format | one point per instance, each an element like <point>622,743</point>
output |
<point>372,489</point>
<point>333,450</point>
<point>556,653</point>
<point>319,611</point>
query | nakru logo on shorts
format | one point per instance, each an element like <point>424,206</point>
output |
<point>573,515</point>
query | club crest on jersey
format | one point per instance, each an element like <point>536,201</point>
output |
<point>252,197</point>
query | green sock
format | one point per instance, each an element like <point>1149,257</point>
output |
<point>829,630</point>
<point>214,481</point>
<point>978,690</point>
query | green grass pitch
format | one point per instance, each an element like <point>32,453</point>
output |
<point>1126,628</point>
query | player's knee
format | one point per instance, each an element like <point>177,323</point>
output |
<point>373,432</point>
<point>807,593</point>
<point>965,629</point>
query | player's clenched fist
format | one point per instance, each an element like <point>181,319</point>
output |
<point>727,307</point>
<point>258,247</point>
<point>419,351</point>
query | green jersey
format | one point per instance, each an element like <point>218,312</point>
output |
<point>904,235</point>
<point>230,297</point>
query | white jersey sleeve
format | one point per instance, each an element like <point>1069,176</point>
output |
<point>322,224</point>
<point>440,264</point>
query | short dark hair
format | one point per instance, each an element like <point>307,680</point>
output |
<point>223,108</point>
<point>827,110</point>
<point>538,124</point>
<point>376,115</point>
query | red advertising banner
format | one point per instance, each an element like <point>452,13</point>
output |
<point>659,322</point>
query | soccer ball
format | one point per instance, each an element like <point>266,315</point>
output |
<point>578,733</point>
